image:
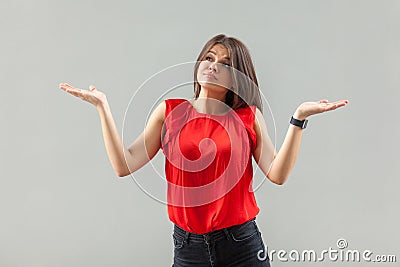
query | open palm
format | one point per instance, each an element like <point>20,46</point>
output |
<point>92,96</point>
<point>311,108</point>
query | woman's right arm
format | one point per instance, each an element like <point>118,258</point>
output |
<point>124,161</point>
<point>141,151</point>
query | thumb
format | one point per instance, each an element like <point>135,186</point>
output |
<point>92,88</point>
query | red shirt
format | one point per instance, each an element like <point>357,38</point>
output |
<point>208,166</point>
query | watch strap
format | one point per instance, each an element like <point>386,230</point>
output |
<point>302,124</point>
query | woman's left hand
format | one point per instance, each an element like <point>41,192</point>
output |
<point>310,108</point>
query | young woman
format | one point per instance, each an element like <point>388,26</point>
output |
<point>208,142</point>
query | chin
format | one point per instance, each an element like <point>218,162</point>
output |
<point>213,87</point>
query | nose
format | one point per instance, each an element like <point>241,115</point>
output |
<point>213,66</point>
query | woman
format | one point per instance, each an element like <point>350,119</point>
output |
<point>208,142</point>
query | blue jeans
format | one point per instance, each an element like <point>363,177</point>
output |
<point>239,245</point>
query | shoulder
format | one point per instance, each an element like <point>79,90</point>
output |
<point>259,122</point>
<point>257,114</point>
<point>248,112</point>
<point>175,100</point>
<point>170,103</point>
<point>247,115</point>
<point>159,111</point>
<point>258,117</point>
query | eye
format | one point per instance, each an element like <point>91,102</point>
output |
<point>208,58</point>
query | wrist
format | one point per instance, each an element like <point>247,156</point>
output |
<point>103,106</point>
<point>299,123</point>
<point>298,116</point>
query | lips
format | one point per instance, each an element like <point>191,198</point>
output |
<point>209,75</point>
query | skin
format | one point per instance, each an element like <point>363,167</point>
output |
<point>214,78</point>
<point>275,165</point>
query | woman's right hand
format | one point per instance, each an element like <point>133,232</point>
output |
<point>92,96</point>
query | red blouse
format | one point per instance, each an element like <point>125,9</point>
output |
<point>208,166</point>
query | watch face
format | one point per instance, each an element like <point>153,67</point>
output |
<point>304,124</point>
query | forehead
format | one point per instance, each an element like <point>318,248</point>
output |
<point>220,50</point>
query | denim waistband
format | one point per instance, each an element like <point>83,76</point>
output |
<point>214,235</point>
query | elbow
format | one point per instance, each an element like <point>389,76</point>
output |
<point>123,170</point>
<point>277,180</point>
<point>123,173</point>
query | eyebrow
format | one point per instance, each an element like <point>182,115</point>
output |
<point>212,52</point>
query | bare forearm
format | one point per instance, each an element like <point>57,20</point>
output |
<point>285,159</point>
<point>116,151</point>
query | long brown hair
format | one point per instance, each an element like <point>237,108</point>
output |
<point>245,91</point>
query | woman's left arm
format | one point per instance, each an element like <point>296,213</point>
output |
<point>277,166</point>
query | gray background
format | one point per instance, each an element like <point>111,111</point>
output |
<point>62,204</point>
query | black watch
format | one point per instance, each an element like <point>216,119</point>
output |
<point>301,124</point>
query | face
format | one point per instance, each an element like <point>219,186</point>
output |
<point>214,71</point>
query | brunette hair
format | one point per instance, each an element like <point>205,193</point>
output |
<point>245,91</point>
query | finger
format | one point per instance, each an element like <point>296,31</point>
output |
<point>92,88</point>
<point>328,106</point>
<point>323,101</point>
<point>341,103</point>
<point>81,94</point>
<point>75,91</point>
<point>65,86</point>
<point>71,90</point>
<point>333,106</point>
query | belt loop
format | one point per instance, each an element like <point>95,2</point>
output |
<point>226,233</point>
<point>186,236</point>
<point>256,226</point>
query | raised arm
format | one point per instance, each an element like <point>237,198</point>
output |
<point>277,166</point>
<point>124,161</point>
<point>265,152</point>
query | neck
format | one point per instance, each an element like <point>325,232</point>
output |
<point>211,103</point>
